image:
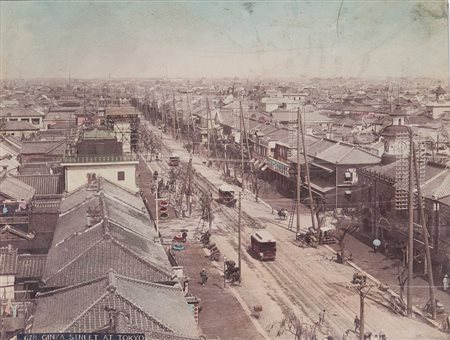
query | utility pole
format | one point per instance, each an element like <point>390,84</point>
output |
<point>164,112</point>
<point>425,237</point>
<point>298,170</point>
<point>157,210</point>
<point>173,117</point>
<point>249,153</point>
<point>301,128</point>
<point>207,127</point>
<point>241,146</point>
<point>410,228</point>
<point>361,281</point>
<point>176,125</point>
<point>188,120</point>
<point>239,236</point>
<point>191,120</point>
<point>361,313</point>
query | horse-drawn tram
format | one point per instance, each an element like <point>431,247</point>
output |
<point>227,196</point>
<point>174,160</point>
<point>263,246</point>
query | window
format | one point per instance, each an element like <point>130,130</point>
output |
<point>348,176</point>
<point>121,175</point>
<point>35,121</point>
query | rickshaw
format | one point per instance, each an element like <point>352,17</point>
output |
<point>263,246</point>
<point>328,235</point>
<point>226,196</point>
<point>308,236</point>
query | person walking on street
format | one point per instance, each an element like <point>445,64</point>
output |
<point>322,317</point>
<point>357,323</point>
<point>445,282</point>
<point>203,277</point>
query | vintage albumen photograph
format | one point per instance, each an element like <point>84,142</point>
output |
<point>224,170</point>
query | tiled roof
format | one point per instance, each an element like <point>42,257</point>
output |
<point>16,189</point>
<point>122,239</point>
<point>18,126</point>
<point>8,261</point>
<point>44,147</point>
<point>31,266</point>
<point>433,175</point>
<point>44,184</point>
<point>444,189</point>
<point>34,169</point>
<point>320,146</point>
<point>146,307</point>
<point>20,112</point>
<point>12,142</point>
<point>10,164</point>
<point>60,115</point>
<point>310,117</point>
<point>341,153</point>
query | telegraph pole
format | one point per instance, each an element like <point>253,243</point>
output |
<point>207,126</point>
<point>241,145</point>
<point>249,153</point>
<point>425,238</point>
<point>410,228</point>
<point>361,313</point>
<point>239,236</point>
<point>301,128</point>
<point>298,169</point>
<point>190,189</point>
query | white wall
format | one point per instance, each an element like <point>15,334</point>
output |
<point>76,174</point>
<point>6,287</point>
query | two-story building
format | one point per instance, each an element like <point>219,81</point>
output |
<point>99,154</point>
<point>333,171</point>
<point>30,115</point>
<point>15,212</point>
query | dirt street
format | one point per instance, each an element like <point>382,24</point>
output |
<point>303,281</point>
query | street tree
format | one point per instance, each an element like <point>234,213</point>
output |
<point>300,330</point>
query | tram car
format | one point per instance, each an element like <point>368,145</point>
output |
<point>174,160</point>
<point>227,196</point>
<point>263,246</point>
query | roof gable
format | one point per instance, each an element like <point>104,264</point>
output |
<point>149,307</point>
<point>16,189</point>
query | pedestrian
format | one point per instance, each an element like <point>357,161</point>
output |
<point>367,335</point>
<point>357,323</point>
<point>386,248</point>
<point>322,317</point>
<point>375,248</point>
<point>445,282</point>
<point>203,277</point>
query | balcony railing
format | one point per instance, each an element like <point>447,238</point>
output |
<point>100,158</point>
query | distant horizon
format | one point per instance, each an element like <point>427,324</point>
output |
<point>194,39</point>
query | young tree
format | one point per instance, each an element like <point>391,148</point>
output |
<point>344,226</point>
<point>300,330</point>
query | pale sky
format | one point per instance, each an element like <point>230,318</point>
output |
<point>218,38</point>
